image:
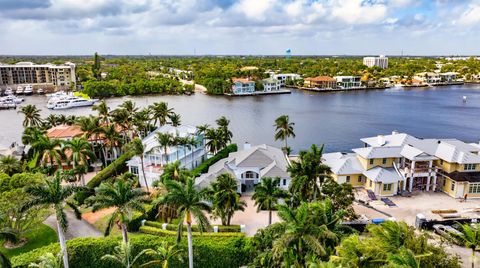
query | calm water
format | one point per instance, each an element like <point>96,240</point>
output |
<point>337,119</point>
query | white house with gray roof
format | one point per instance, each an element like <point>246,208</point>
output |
<point>249,166</point>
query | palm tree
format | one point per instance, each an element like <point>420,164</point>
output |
<point>10,165</point>
<point>52,120</point>
<point>123,256</point>
<point>123,118</point>
<point>111,140</point>
<point>190,205</point>
<point>103,111</point>
<point>32,115</point>
<point>161,112</point>
<point>267,194</point>
<point>141,122</point>
<point>308,229</point>
<point>470,238</point>
<point>136,146</point>
<point>191,143</point>
<point>123,197</point>
<point>214,140</point>
<point>90,125</point>
<point>284,129</point>
<point>164,140</point>
<point>308,174</point>
<point>405,258</point>
<point>129,106</point>
<point>164,254</point>
<point>174,171</point>
<point>55,195</point>
<point>49,150</point>
<point>176,119</point>
<point>31,134</point>
<point>81,152</point>
<point>227,135</point>
<point>225,198</point>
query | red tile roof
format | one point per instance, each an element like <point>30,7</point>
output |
<point>64,131</point>
<point>321,78</point>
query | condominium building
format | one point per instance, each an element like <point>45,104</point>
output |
<point>47,75</point>
<point>397,163</point>
<point>380,61</point>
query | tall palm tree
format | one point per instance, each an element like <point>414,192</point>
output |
<point>32,115</point>
<point>308,174</point>
<point>55,195</point>
<point>267,194</point>
<point>190,205</point>
<point>122,196</point>
<point>136,146</point>
<point>214,139</point>
<point>123,256</point>
<point>470,238</point>
<point>90,125</point>
<point>52,120</point>
<point>112,140</point>
<point>308,229</point>
<point>176,119</point>
<point>124,119</point>
<point>164,140</point>
<point>284,129</point>
<point>80,153</point>
<point>31,134</point>
<point>225,198</point>
<point>129,106</point>
<point>103,111</point>
<point>49,150</point>
<point>191,143</point>
<point>10,165</point>
<point>227,135</point>
<point>141,122</point>
<point>161,112</point>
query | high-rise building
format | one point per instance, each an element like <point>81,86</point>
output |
<point>380,61</point>
<point>46,75</point>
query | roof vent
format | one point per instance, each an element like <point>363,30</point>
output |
<point>246,145</point>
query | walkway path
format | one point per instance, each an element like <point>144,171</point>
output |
<point>76,228</point>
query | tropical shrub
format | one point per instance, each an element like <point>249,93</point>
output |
<point>160,232</point>
<point>174,227</point>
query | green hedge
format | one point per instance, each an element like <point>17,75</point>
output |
<point>174,227</point>
<point>203,167</point>
<point>136,222</point>
<point>160,232</point>
<point>209,252</point>
<point>160,85</point>
<point>116,167</point>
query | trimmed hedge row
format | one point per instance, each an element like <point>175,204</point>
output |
<point>167,233</point>
<point>203,167</point>
<point>174,227</point>
<point>210,252</point>
<point>136,222</point>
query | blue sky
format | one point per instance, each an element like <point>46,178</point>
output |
<point>180,27</point>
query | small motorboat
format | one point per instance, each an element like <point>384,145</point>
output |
<point>40,91</point>
<point>19,90</point>
<point>28,90</point>
<point>11,98</point>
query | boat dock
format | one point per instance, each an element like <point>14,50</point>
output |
<point>258,93</point>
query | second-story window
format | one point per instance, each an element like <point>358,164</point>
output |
<point>371,161</point>
<point>469,167</point>
<point>384,161</point>
<point>347,179</point>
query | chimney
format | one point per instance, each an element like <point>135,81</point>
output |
<point>246,146</point>
<point>381,140</point>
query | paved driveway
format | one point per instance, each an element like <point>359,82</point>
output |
<point>76,228</point>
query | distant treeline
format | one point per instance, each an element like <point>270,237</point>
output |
<point>101,89</point>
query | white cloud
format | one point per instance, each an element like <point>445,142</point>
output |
<point>254,9</point>
<point>358,11</point>
<point>471,16</point>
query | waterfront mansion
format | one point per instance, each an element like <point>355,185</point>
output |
<point>156,156</point>
<point>400,163</point>
<point>249,166</point>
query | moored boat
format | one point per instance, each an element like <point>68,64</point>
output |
<point>19,90</point>
<point>8,91</point>
<point>40,91</point>
<point>28,90</point>
<point>12,98</point>
<point>71,102</point>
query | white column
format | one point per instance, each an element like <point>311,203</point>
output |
<point>412,171</point>
<point>430,164</point>
<point>435,180</point>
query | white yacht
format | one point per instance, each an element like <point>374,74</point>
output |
<point>53,100</point>
<point>8,91</point>
<point>40,91</point>
<point>7,104</point>
<point>28,90</point>
<point>72,103</point>
<point>12,98</point>
<point>59,94</point>
<point>19,90</point>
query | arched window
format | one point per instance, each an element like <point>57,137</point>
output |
<point>250,175</point>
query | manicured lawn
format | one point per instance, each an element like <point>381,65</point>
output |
<point>101,225</point>
<point>39,237</point>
